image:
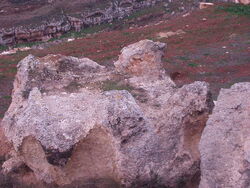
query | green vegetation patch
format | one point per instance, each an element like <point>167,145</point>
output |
<point>113,85</point>
<point>7,97</point>
<point>28,44</point>
<point>2,48</point>
<point>192,64</point>
<point>184,58</point>
<point>238,9</point>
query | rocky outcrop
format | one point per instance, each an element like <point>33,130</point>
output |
<point>45,31</point>
<point>68,126</point>
<point>51,27</point>
<point>225,142</point>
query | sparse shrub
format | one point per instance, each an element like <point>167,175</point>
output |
<point>2,48</point>
<point>28,44</point>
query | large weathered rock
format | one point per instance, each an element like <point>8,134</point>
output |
<point>177,114</point>
<point>225,142</point>
<point>67,126</point>
<point>61,120</point>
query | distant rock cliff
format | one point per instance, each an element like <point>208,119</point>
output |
<point>42,26</point>
<point>61,23</point>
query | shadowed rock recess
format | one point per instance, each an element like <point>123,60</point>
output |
<point>74,122</point>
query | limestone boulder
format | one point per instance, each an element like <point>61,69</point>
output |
<point>225,142</point>
<point>75,122</point>
<point>61,123</point>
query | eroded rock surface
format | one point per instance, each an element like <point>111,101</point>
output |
<point>225,142</point>
<point>72,120</point>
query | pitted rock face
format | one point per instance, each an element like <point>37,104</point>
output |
<point>224,143</point>
<point>66,127</point>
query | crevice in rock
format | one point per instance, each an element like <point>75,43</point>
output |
<point>57,158</point>
<point>192,132</point>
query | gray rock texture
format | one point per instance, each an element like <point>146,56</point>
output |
<point>73,120</point>
<point>225,144</point>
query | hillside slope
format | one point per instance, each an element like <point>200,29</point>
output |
<point>214,46</point>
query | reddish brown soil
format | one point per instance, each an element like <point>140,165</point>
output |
<point>215,49</point>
